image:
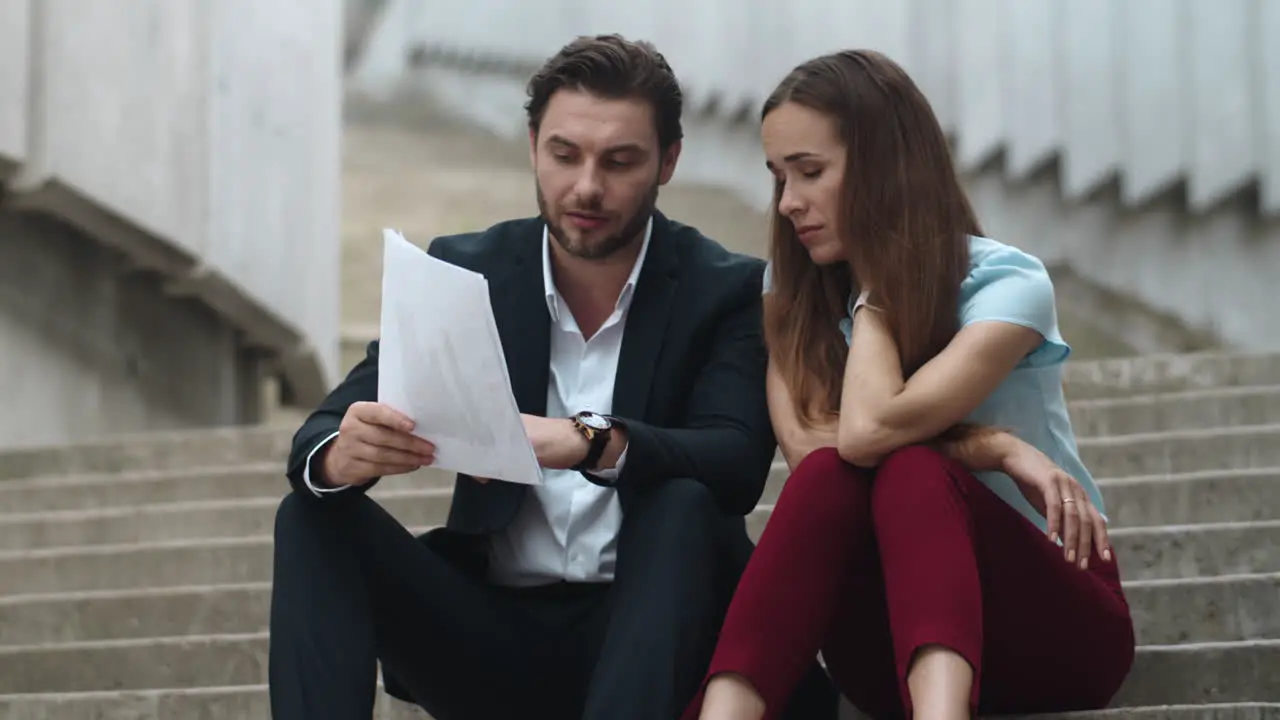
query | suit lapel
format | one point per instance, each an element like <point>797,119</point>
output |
<point>524,325</point>
<point>646,323</point>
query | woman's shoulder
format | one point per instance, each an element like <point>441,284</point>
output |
<point>1007,284</point>
<point>1003,273</point>
<point>990,254</point>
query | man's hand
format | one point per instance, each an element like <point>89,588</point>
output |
<point>555,441</point>
<point>374,441</point>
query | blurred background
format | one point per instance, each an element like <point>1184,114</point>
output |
<point>191,199</point>
<point>192,190</point>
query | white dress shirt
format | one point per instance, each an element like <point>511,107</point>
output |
<point>566,528</point>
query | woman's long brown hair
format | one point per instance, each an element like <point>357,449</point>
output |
<point>904,221</point>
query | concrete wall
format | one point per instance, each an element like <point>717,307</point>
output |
<point>1136,142</point>
<point>14,77</point>
<point>90,345</point>
<point>198,142</point>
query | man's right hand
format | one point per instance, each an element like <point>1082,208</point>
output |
<point>373,441</point>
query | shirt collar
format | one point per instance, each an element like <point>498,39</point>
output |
<point>628,290</point>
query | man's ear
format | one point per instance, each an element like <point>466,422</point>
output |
<point>669,159</point>
<point>533,147</point>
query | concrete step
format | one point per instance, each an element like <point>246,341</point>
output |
<point>1215,496</point>
<point>1186,551</point>
<point>1145,554</point>
<point>1225,608</point>
<point>134,613</point>
<point>1204,496</point>
<point>138,565</point>
<point>250,701</point>
<point>241,702</point>
<point>175,662</point>
<point>1198,497</point>
<point>1182,674</point>
<point>1093,380</point>
<point>182,451</point>
<point>1146,375</point>
<point>160,522</point>
<point>1179,551</point>
<point>1203,673</point>
<point>1188,410</point>
<point>1187,451</point>
<point>1166,612</point>
<point>144,487</point>
<point>1214,711</point>
<point>150,452</point>
<point>248,506</point>
<point>196,703</point>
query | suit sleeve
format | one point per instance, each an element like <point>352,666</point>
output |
<point>726,441</point>
<point>360,385</point>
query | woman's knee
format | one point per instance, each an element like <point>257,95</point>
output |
<point>823,483</point>
<point>911,478</point>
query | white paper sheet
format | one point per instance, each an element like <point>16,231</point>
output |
<point>440,362</point>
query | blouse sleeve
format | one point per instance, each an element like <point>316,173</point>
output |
<point>1011,286</point>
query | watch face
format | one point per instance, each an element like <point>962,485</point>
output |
<point>594,421</point>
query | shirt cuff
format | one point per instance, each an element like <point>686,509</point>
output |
<point>612,473</point>
<point>306,470</point>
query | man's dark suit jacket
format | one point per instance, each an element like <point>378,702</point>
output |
<point>690,384</point>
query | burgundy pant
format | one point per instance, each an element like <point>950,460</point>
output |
<point>870,566</point>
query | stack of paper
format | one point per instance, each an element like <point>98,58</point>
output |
<point>440,362</point>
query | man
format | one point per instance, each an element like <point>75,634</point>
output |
<point>634,348</point>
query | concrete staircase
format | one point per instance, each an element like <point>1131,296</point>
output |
<point>135,574</point>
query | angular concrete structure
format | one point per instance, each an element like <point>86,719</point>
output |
<point>169,191</point>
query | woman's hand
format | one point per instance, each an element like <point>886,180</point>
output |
<point>1063,503</point>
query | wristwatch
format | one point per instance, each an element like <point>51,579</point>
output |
<point>595,428</point>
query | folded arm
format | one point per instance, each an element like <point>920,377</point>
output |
<point>880,412</point>
<point>982,450</point>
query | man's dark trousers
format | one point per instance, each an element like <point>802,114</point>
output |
<point>352,585</point>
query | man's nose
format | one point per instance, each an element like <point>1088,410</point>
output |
<point>590,184</point>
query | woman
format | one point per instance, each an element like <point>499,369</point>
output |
<point>928,589</point>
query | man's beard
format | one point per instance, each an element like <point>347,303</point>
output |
<point>609,244</point>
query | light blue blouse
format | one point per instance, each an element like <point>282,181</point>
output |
<point>1006,284</point>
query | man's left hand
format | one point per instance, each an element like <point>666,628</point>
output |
<point>555,441</point>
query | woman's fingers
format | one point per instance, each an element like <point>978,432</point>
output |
<point>1101,539</point>
<point>1053,509</point>
<point>1070,516</point>
<point>1084,545</point>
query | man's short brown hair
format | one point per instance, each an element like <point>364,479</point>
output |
<point>615,68</point>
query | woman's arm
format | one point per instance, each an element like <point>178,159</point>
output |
<point>880,413</point>
<point>982,450</point>
<point>794,440</point>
